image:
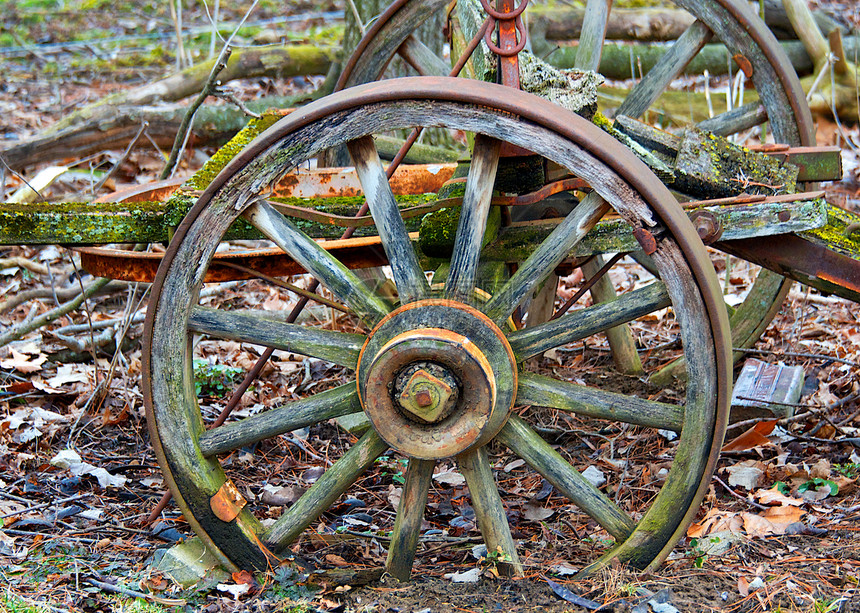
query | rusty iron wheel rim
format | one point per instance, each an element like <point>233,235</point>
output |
<point>461,104</point>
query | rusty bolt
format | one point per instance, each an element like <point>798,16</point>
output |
<point>783,216</point>
<point>426,397</point>
<point>423,398</point>
<point>707,226</point>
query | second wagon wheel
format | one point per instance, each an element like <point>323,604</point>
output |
<point>781,100</point>
<point>439,373</point>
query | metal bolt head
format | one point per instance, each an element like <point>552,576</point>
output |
<point>426,397</point>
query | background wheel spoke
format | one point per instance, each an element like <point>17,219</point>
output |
<point>339,348</point>
<point>543,391</point>
<point>325,491</point>
<point>341,281</point>
<point>410,513</point>
<point>737,120</point>
<point>670,66</point>
<point>473,218</point>
<point>422,58</point>
<point>489,510</point>
<point>547,256</point>
<point>526,443</point>
<point>582,324</point>
<point>332,403</point>
<point>408,275</point>
<point>593,32</point>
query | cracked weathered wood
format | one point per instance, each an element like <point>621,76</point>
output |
<point>324,492</point>
<point>410,514</point>
<point>541,391</point>
<point>337,347</point>
<point>301,413</point>
<point>489,510</point>
<point>519,437</point>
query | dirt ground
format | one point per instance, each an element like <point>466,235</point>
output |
<point>82,543</point>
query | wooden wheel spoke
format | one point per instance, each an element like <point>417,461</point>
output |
<point>667,69</point>
<point>325,491</point>
<point>538,390</point>
<point>408,275</point>
<point>737,120</point>
<point>410,513</point>
<point>473,218</point>
<point>593,32</point>
<point>421,58</point>
<point>332,403</point>
<point>547,256</point>
<point>526,443</point>
<point>342,282</point>
<point>581,324</point>
<point>489,510</point>
<point>336,347</point>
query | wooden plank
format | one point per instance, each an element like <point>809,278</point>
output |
<point>410,513</point>
<point>336,347</point>
<point>519,437</point>
<point>581,324</point>
<point>593,33</point>
<point>473,218</point>
<point>541,391</point>
<point>342,282</point>
<point>670,66</point>
<point>780,215</point>
<point>489,510</point>
<point>302,413</point>
<point>408,275</point>
<point>324,492</point>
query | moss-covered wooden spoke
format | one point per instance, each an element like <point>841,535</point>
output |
<point>778,99</point>
<point>439,373</point>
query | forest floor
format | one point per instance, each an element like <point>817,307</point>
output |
<point>74,534</point>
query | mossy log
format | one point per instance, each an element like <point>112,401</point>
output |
<point>113,121</point>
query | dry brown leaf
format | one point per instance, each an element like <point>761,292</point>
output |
<point>775,497</point>
<point>752,438</point>
<point>336,560</point>
<point>22,363</point>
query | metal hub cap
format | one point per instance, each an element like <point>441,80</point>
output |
<point>431,392</point>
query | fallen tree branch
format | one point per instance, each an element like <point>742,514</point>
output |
<point>16,332</point>
<point>46,292</point>
<point>106,117</point>
<point>21,262</point>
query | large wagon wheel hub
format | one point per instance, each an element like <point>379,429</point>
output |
<point>435,378</point>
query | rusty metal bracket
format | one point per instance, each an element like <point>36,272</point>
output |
<point>227,502</point>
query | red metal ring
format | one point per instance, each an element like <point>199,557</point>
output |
<point>492,12</point>
<point>506,52</point>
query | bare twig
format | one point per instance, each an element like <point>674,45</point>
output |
<point>738,496</point>
<point>208,88</point>
<point>16,332</point>
<point>791,354</point>
<point>120,589</point>
<point>43,292</point>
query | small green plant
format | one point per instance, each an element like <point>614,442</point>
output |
<point>700,550</point>
<point>816,483</point>
<point>849,469</point>
<point>213,379</point>
<point>10,603</point>
<point>492,560</point>
<point>825,605</point>
<point>393,467</point>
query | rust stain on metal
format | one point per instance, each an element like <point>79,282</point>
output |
<point>707,225</point>
<point>646,240</point>
<point>744,64</point>
<point>227,502</point>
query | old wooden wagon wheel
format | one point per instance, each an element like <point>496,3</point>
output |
<point>781,103</point>
<point>439,372</point>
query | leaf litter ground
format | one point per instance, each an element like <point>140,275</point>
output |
<point>74,526</point>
